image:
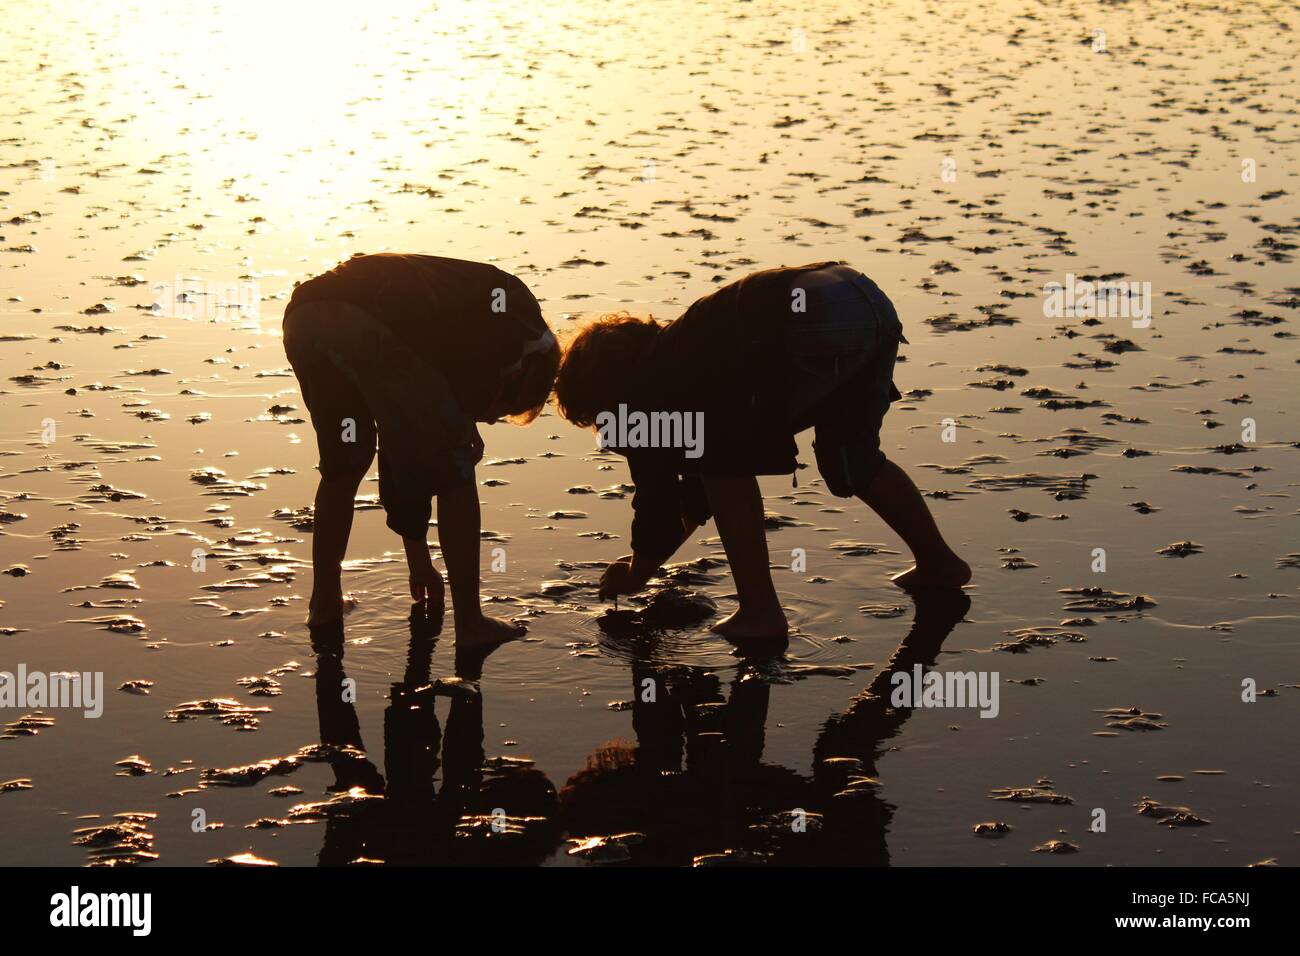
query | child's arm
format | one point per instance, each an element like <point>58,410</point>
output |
<point>630,573</point>
<point>668,508</point>
<point>425,581</point>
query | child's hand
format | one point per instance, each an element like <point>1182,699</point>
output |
<point>425,582</point>
<point>619,579</point>
<point>427,585</point>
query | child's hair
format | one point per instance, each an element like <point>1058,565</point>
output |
<point>597,364</point>
<point>608,794</point>
<point>528,389</point>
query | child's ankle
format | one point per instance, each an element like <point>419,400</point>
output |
<point>467,618</point>
<point>326,591</point>
<point>938,559</point>
<point>762,608</point>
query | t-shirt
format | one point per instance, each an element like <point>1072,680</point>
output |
<point>708,356</point>
<point>468,320</point>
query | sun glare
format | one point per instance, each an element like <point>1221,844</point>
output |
<point>241,80</point>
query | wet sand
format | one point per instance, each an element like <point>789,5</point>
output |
<point>963,155</point>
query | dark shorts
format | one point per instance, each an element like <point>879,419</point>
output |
<point>838,371</point>
<point>363,387</point>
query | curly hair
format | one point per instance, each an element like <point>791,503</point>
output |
<point>598,363</point>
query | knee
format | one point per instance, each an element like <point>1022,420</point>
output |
<point>343,477</point>
<point>347,462</point>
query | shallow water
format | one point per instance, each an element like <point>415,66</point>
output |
<point>635,159</point>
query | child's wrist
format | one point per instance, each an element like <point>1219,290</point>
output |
<point>417,551</point>
<point>641,570</point>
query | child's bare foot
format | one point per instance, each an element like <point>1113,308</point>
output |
<point>947,574</point>
<point>327,608</point>
<point>482,631</point>
<point>744,624</point>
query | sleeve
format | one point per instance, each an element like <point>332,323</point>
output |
<point>447,436</point>
<point>427,444</point>
<point>662,500</point>
<point>407,492</point>
<point>408,516</point>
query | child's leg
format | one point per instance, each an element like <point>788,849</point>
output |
<point>738,510</point>
<point>458,536</point>
<point>892,495</point>
<point>848,421</point>
<point>329,543</point>
<point>345,440</point>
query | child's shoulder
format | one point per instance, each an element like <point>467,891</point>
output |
<point>784,274</point>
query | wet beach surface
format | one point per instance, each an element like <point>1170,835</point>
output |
<point>156,467</point>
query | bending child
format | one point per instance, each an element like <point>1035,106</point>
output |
<point>754,364</point>
<point>411,351</point>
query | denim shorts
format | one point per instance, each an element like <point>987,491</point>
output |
<point>363,386</point>
<point>839,374</point>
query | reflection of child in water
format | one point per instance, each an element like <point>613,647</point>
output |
<point>722,797</point>
<point>483,811</point>
<point>694,783</point>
